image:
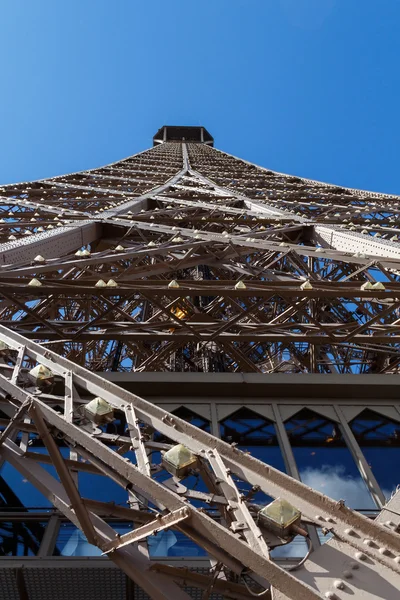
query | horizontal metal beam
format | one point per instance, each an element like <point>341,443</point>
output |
<point>51,243</point>
<point>285,289</point>
<point>219,386</point>
<point>348,241</point>
<point>181,337</point>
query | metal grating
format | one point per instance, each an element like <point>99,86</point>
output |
<point>79,583</point>
<point>8,586</point>
<point>75,583</point>
<point>195,593</point>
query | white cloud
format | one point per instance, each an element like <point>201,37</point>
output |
<point>333,482</point>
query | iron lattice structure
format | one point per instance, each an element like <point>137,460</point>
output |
<point>185,259</point>
<point>274,272</point>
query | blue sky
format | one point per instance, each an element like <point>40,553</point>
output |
<point>309,87</point>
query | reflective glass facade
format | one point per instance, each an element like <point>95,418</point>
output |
<point>315,436</point>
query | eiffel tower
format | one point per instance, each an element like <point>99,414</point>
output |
<point>184,258</point>
<point>180,273</point>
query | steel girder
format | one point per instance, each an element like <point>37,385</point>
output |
<point>292,262</point>
<point>193,261</point>
<point>230,532</point>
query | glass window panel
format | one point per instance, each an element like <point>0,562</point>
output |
<point>173,543</point>
<point>379,439</point>
<point>188,415</point>
<point>324,461</point>
<point>71,541</point>
<point>21,538</point>
<point>256,435</point>
<point>25,494</point>
<point>101,487</point>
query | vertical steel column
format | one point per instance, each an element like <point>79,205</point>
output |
<point>21,584</point>
<point>360,460</point>
<point>286,449</point>
<point>50,536</point>
<point>214,420</point>
<point>290,463</point>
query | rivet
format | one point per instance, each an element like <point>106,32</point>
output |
<point>330,596</point>
<point>319,518</point>
<point>368,542</point>
<point>383,551</point>
<point>349,531</point>
<point>339,584</point>
<point>397,559</point>
<point>360,556</point>
<point>330,520</point>
<point>354,565</point>
<point>347,574</point>
<point>325,530</point>
<point>389,523</point>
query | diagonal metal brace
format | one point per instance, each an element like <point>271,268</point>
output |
<point>64,475</point>
<point>159,524</point>
<point>13,421</point>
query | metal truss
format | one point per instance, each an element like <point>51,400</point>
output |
<point>224,520</point>
<point>269,269</point>
<point>183,258</point>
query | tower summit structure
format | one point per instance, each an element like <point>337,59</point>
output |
<point>192,330</point>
